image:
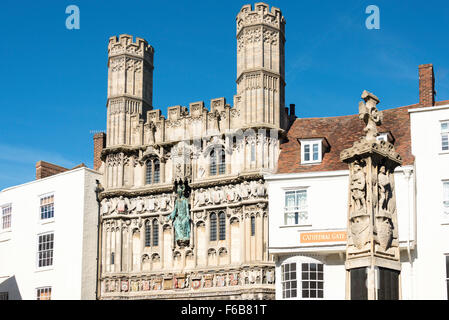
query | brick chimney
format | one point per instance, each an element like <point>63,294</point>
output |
<point>99,145</point>
<point>426,85</point>
<point>46,169</point>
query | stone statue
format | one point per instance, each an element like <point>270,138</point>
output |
<point>163,202</point>
<point>260,188</point>
<point>151,203</point>
<point>200,198</point>
<point>152,130</point>
<point>105,206</point>
<point>122,205</point>
<point>384,189</point>
<point>181,215</point>
<point>369,114</point>
<point>357,187</point>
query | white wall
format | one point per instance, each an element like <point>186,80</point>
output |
<point>327,200</point>
<point>74,207</point>
<point>427,278</point>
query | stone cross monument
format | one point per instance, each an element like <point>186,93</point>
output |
<point>372,250</point>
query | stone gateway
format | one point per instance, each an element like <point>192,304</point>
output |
<point>184,206</point>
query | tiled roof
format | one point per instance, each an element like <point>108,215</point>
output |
<point>341,132</point>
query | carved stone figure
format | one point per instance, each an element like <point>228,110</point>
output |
<point>200,197</point>
<point>384,189</point>
<point>105,206</point>
<point>244,190</point>
<point>152,130</point>
<point>163,202</point>
<point>181,216</point>
<point>150,203</point>
<point>122,205</point>
<point>217,195</point>
<point>260,188</point>
<point>370,115</point>
<point>357,186</point>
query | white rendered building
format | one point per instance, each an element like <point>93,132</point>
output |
<point>308,201</point>
<point>48,236</point>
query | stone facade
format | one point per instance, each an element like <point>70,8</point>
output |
<point>221,152</point>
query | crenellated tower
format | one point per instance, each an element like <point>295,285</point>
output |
<point>130,86</point>
<point>261,67</point>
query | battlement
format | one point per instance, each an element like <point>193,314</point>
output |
<point>261,14</point>
<point>195,110</point>
<point>124,44</point>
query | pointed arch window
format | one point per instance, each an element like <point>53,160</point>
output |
<point>213,227</point>
<point>253,226</point>
<point>155,233</point>
<point>153,171</point>
<point>147,234</point>
<point>217,162</point>
<point>222,225</point>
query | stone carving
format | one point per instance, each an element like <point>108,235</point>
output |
<point>372,217</point>
<point>181,215</point>
<point>105,206</point>
<point>370,115</point>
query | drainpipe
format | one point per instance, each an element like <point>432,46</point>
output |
<point>407,174</point>
<point>98,190</point>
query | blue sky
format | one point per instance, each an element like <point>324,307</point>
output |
<point>53,80</point>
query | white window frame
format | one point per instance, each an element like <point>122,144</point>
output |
<point>444,134</point>
<point>301,214</point>
<point>41,197</point>
<point>53,252</point>
<point>3,209</point>
<point>310,143</point>
<point>47,288</point>
<point>299,261</point>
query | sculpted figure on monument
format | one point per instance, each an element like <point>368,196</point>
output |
<point>260,188</point>
<point>150,203</point>
<point>385,191</point>
<point>218,196</point>
<point>163,202</point>
<point>122,205</point>
<point>370,115</point>
<point>244,190</point>
<point>200,197</point>
<point>152,130</point>
<point>357,186</point>
<point>181,215</point>
<point>105,206</point>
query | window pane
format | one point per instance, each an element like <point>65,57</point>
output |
<point>306,152</point>
<point>315,152</point>
<point>157,171</point>
<point>213,227</point>
<point>213,163</point>
<point>155,233</point>
<point>222,220</point>
<point>444,126</point>
<point>149,173</point>
<point>445,142</point>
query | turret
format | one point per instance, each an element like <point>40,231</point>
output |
<point>130,85</point>
<point>261,67</point>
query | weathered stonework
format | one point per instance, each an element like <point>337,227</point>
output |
<point>222,153</point>
<point>372,217</point>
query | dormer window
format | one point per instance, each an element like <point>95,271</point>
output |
<point>385,136</point>
<point>312,150</point>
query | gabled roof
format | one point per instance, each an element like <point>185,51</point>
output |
<point>341,133</point>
